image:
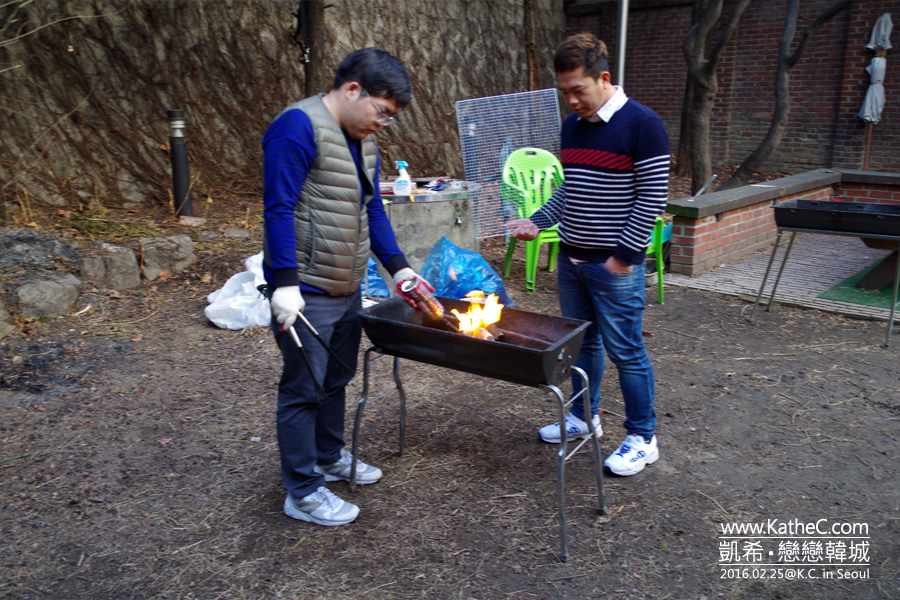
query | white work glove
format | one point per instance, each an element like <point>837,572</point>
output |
<point>286,303</point>
<point>407,273</point>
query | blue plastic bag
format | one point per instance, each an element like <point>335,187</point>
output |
<point>373,285</point>
<point>454,272</point>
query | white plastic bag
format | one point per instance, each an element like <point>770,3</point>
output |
<point>238,304</point>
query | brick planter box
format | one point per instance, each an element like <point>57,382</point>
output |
<point>721,227</point>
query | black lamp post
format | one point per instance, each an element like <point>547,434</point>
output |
<point>181,176</point>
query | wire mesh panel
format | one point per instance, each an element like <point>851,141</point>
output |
<point>490,129</point>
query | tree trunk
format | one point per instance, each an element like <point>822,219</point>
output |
<point>701,158</point>
<point>686,134</point>
<point>694,154</point>
<point>781,115</point>
<point>317,75</point>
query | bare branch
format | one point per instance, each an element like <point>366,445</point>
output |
<point>22,36</point>
<point>823,17</point>
<point>38,139</point>
<point>725,35</point>
<point>782,110</point>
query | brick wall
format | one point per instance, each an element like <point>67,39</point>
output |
<point>715,229</point>
<point>861,192</point>
<point>699,245</point>
<point>827,85</point>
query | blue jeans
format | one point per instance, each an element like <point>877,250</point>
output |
<point>311,430</point>
<point>614,305</point>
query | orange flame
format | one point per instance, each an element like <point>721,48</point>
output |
<point>482,312</point>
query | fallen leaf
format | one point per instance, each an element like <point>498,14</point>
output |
<point>163,275</point>
<point>137,337</point>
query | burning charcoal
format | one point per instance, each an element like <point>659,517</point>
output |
<point>450,322</point>
<point>520,339</point>
<point>483,334</point>
<point>495,331</point>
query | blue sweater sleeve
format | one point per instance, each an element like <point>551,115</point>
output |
<point>289,151</point>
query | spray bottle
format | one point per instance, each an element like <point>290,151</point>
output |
<point>403,184</point>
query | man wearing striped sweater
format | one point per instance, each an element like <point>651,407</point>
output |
<point>615,154</point>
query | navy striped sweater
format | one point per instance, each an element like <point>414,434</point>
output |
<point>616,184</point>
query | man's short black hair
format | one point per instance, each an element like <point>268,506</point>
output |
<point>583,50</point>
<point>378,72</point>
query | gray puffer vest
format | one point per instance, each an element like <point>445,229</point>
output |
<point>332,226</point>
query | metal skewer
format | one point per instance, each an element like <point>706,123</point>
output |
<point>343,366</point>
<point>320,391</point>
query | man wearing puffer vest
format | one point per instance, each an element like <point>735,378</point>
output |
<point>323,214</point>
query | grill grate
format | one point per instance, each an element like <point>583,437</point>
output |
<point>490,129</point>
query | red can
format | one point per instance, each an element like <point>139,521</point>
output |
<point>427,304</point>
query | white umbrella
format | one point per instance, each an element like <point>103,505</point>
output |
<point>873,103</point>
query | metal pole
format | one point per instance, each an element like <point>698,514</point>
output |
<point>887,339</point>
<point>181,176</point>
<point>620,50</point>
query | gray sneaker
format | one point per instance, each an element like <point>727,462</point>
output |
<point>340,471</point>
<point>321,507</point>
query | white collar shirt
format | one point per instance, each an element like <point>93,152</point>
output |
<point>610,107</point>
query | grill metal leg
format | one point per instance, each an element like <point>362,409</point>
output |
<point>781,270</point>
<point>363,400</point>
<point>563,455</point>
<point>769,268</point>
<point>561,473</point>
<point>887,339</point>
<point>399,385</point>
<point>596,455</point>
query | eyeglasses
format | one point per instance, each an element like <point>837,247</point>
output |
<point>383,118</point>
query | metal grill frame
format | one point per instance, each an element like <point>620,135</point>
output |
<point>490,129</point>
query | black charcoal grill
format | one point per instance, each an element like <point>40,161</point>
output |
<point>854,218</point>
<point>535,349</point>
<point>867,220</point>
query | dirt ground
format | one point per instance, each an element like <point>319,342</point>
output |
<point>138,460</point>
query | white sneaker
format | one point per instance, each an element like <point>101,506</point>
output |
<point>575,429</point>
<point>633,455</point>
<point>321,507</point>
<point>340,471</point>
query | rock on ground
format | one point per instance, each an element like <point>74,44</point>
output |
<point>48,297</point>
<point>111,267</point>
<point>172,253</point>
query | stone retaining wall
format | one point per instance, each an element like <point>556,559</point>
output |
<point>721,227</point>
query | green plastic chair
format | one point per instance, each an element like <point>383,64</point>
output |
<point>662,233</point>
<point>530,176</point>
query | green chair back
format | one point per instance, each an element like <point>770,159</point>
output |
<point>530,176</point>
